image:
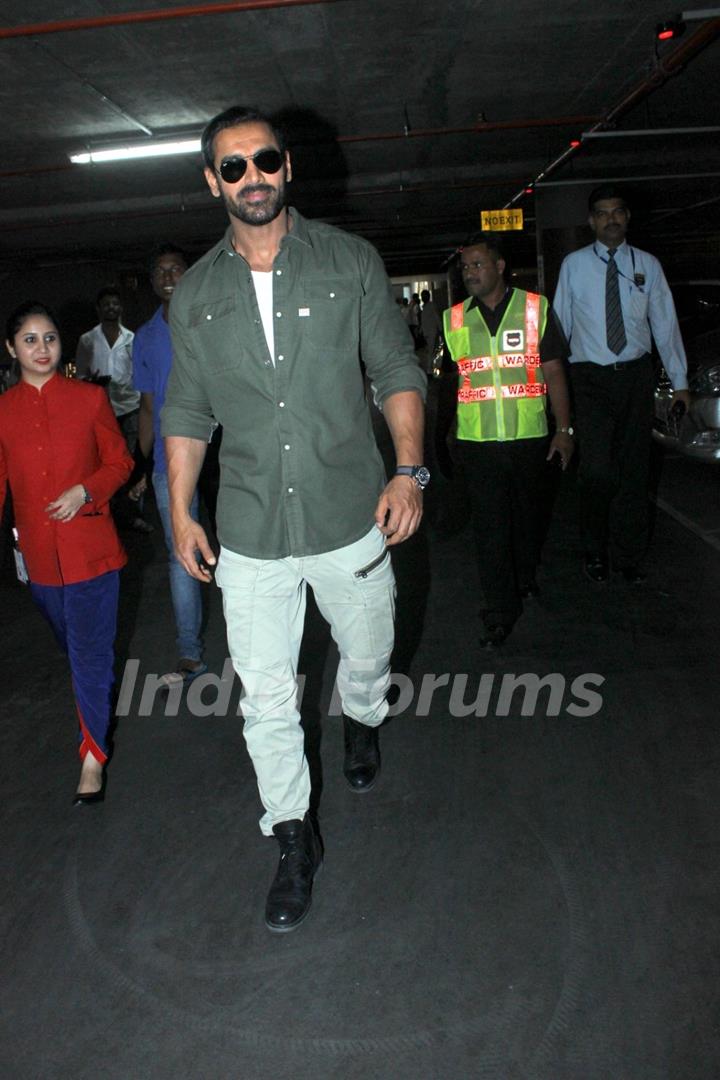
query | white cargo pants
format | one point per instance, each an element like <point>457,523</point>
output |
<point>264,605</point>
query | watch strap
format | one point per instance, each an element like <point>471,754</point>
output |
<point>419,473</point>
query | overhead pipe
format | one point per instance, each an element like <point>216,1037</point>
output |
<point>665,69</point>
<point>684,209</point>
<point>98,22</point>
<point>401,189</point>
<point>635,179</point>
<point>477,129</point>
<point>635,133</point>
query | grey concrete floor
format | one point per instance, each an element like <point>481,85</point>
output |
<point>529,892</point>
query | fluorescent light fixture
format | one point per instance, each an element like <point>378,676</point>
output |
<point>137,150</point>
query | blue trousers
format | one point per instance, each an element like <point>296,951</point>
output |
<point>184,589</point>
<point>83,618</point>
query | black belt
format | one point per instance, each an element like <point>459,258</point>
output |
<point>618,365</point>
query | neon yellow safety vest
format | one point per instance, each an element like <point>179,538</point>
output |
<point>501,389</point>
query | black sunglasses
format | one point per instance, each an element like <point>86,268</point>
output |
<point>234,168</point>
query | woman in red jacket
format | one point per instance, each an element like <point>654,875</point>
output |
<point>63,455</point>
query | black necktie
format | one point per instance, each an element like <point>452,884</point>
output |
<point>614,326</point>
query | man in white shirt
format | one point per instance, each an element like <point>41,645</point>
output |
<point>106,350</point>
<point>612,301</point>
<point>105,354</point>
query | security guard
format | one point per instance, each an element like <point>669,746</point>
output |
<point>611,300</point>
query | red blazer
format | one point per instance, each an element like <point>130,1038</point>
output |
<point>50,440</point>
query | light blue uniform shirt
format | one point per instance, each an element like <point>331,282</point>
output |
<point>647,305</point>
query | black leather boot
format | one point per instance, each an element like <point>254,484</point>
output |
<point>288,901</point>
<point>362,755</point>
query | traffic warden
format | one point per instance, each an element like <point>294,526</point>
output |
<point>509,353</point>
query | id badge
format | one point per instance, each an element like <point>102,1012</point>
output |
<point>20,567</point>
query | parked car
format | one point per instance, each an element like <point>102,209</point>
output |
<point>695,433</point>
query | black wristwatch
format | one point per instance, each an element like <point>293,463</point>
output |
<point>419,473</point>
<point>87,497</point>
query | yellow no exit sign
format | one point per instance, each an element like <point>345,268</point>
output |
<point>500,220</point>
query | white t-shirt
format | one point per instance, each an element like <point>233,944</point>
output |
<point>262,280</point>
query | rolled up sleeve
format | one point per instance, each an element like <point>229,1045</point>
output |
<point>187,411</point>
<point>385,340</point>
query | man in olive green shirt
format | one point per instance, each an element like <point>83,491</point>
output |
<point>268,331</point>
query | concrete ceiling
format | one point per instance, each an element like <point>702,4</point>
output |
<point>489,92</point>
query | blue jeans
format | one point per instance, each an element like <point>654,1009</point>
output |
<point>184,590</point>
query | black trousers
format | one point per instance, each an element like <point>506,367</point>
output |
<point>613,416</point>
<point>505,484</point>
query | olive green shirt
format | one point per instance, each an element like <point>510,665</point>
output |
<point>300,469</point>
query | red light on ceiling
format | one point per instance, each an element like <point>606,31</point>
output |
<point>670,28</point>
<point>529,190</point>
<point>575,143</point>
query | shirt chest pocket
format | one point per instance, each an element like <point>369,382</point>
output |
<point>329,314</point>
<point>639,301</point>
<point>213,327</point>
<point>120,364</point>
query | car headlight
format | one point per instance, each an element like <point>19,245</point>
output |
<point>706,381</point>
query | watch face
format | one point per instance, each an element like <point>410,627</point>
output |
<point>422,476</point>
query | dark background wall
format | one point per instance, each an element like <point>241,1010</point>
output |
<point>70,290</point>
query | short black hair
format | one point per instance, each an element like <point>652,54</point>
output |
<point>166,248</point>
<point>108,290</point>
<point>233,117</point>
<point>606,191</point>
<point>492,242</point>
<point>21,313</point>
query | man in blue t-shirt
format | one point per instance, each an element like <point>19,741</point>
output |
<point>152,361</point>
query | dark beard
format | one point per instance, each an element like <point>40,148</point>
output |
<point>261,214</point>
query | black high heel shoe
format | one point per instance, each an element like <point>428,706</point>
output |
<point>91,797</point>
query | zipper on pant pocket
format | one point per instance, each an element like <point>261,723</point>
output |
<point>365,570</point>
